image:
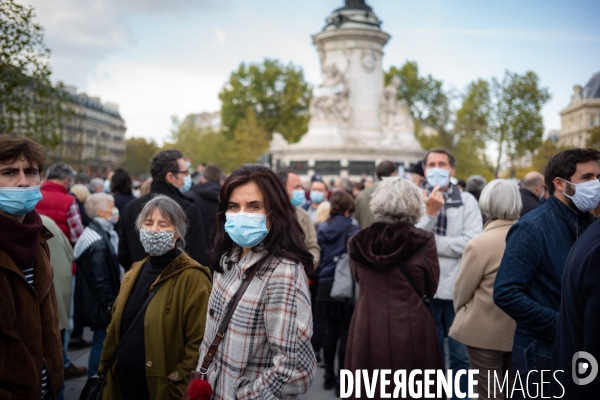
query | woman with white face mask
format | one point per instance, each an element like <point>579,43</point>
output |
<point>160,349</point>
<point>257,244</point>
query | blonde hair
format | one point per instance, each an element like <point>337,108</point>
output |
<point>81,192</point>
<point>145,188</point>
<point>322,212</point>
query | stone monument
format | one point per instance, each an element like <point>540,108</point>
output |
<point>355,121</point>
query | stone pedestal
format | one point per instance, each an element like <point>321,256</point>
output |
<point>355,122</point>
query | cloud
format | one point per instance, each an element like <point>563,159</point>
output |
<point>219,36</point>
<point>83,33</point>
<point>548,36</point>
<point>148,94</point>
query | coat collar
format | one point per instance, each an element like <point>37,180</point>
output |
<point>53,187</point>
<point>168,190</point>
<point>497,223</point>
<point>242,265</point>
<point>574,218</point>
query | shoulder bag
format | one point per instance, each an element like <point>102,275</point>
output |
<point>344,286</point>
<point>410,280</point>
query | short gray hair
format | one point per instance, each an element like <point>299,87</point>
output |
<point>501,199</point>
<point>60,171</point>
<point>475,184</point>
<point>96,183</point>
<point>96,202</point>
<point>397,201</point>
<point>171,211</point>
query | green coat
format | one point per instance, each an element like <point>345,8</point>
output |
<point>174,322</point>
<point>362,211</point>
<point>61,259</point>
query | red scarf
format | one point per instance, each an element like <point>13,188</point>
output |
<point>21,240</point>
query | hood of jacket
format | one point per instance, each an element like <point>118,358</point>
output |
<point>331,230</point>
<point>208,191</point>
<point>382,246</point>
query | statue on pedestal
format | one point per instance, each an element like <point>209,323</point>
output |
<point>330,101</point>
<point>394,113</point>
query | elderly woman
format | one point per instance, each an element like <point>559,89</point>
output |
<point>479,323</point>
<point>396,267</point>
<point>157,356</point>
<point>98,273</point>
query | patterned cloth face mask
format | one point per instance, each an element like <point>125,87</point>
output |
<point>156,243</point>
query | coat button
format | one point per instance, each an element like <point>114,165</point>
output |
<point>42,243</point>
<point>146,324</point>
<point>149,364</point>
<point>211,312</point>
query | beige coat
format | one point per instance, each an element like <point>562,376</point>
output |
<point>310,236</point>
<point>61,259</point>
<point>479,322</point>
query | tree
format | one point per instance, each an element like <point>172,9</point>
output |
<point>277,94</point>
<point>29,103</point>
<point>515,122</point>
<point>248,142</point>
<point>594,140</point>
<point>437,125</point>
<point>138,154</point>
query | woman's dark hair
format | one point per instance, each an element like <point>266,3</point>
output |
<point>121,182</point>
<point>286,237</point>
<point>341,202</point>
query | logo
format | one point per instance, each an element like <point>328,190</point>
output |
<point>581,367</point>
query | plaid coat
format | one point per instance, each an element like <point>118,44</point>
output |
<point>266,352</point>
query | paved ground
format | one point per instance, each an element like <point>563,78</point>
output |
<point>80,357</point>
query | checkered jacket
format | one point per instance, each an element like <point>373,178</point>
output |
<point>266,352</point>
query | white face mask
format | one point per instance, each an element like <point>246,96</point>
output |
<point>587,194</point>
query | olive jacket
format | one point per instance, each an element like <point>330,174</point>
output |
<point>174,322</point>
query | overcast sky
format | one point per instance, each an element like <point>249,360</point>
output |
<point>159,58</point>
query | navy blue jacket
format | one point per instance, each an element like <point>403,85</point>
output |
<point>528,283</point>
<point>331,240</point>
<point>578,326</point>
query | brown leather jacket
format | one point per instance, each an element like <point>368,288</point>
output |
<point>29,332</point>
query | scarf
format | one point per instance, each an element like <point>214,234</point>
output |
<point>452,198</point>
<point>110,229</point>
<point>20,240</point>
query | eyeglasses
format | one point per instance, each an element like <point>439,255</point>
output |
<point>180,172</point>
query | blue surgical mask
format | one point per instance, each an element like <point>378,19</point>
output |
<point>106,186</point>
<point>298,197</point>
<point>187,184</point>
<point>114,218</point>
<point>437,177</point>
<point>587,194</point>
<point>19,201</point>
<point>246,229</point>
<point>317,197</point>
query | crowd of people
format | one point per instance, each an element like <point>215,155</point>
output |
<point>201,279</point>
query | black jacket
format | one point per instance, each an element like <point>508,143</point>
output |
<point>206,198</point>
<point>578,327</point>
<point>530,201</point>
<point>130,247</point>
<point>97,279</point>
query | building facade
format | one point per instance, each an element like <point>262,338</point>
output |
<point>93,138</point>
<point>583,114</point>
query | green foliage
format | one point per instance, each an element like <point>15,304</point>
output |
<point>277,94</point>
<point>502,116</point>
<point>138,154</point>
<point>515,123</point>
<point>594,140</point>
<point>248,142</point>
<point>29,103</point>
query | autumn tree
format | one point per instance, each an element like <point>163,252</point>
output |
<point>515,124</point>
<point>29,103</point>
<point>138,154</point>
<point>276,93</point>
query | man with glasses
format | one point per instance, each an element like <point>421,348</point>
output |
<point>170,177</point>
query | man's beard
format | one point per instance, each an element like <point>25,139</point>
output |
<point>570,191</point>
